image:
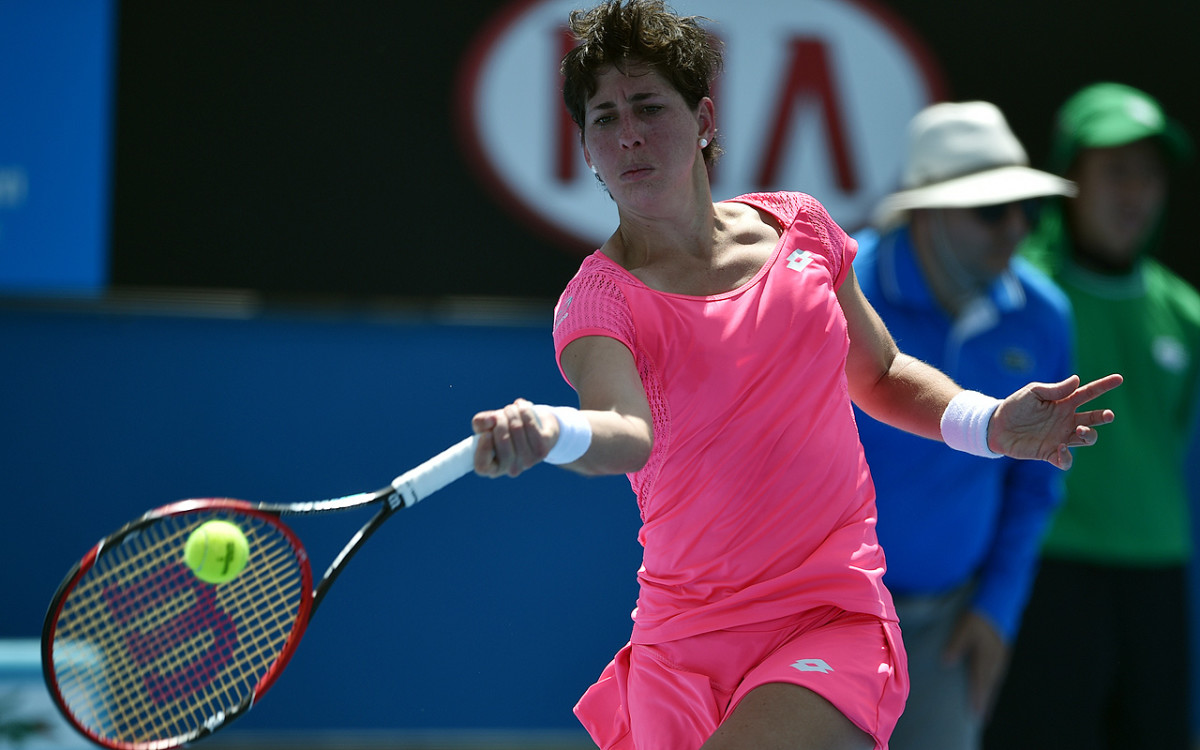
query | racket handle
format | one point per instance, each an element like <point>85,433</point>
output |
<point>420,482</point>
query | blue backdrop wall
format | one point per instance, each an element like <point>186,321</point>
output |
<point>493,604</point>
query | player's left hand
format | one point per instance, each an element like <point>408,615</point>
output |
<point>1042,420</point>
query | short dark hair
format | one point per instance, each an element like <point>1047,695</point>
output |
<point>618,32</point>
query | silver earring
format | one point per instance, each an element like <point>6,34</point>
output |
<point>703,143</point>
<point>594,170</point>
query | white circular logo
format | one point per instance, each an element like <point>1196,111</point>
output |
<point>815,96</point>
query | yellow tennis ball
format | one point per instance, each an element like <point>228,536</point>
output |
<point>216,551</point>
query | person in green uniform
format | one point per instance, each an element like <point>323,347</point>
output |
<point>1101,660</point>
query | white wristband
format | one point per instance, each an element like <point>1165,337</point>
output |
<point>965,423</point>
<point>574,434</point>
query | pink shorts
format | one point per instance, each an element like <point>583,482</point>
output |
<point>673,696</point>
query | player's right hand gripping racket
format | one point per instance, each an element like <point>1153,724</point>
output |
<point>140,654</point>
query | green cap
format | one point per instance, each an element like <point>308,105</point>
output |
<point>1112,114</point>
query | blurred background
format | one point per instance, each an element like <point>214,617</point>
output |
<point>283,249</point>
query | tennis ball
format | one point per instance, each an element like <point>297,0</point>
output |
<point>216,551</point>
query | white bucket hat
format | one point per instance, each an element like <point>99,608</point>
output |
<point>962,155</point>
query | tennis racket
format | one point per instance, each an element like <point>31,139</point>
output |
<point>140,654</point>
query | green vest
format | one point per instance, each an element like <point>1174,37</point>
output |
<point>1126,500</point>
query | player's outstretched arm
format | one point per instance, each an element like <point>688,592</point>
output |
<point>610,433</point>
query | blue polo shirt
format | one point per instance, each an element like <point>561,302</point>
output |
<point>948,518</point>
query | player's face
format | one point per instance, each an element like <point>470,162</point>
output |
<point>640,135</point>
<point>1121,194</point>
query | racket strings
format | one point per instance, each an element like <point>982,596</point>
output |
<point>145,651</point>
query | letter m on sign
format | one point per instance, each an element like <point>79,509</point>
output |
<point>809,76</point>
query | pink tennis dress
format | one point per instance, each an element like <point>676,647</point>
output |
<point>756,502</point>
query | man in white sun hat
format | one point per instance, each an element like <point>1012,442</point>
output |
<point>960,531</point>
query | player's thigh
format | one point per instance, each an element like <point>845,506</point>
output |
<point>780,716</point>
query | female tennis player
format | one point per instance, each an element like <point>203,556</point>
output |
<point>716,349</point>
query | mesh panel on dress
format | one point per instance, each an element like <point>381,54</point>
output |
<point>595,298</point>
<point>828,232</point>
<point>783,205</point>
